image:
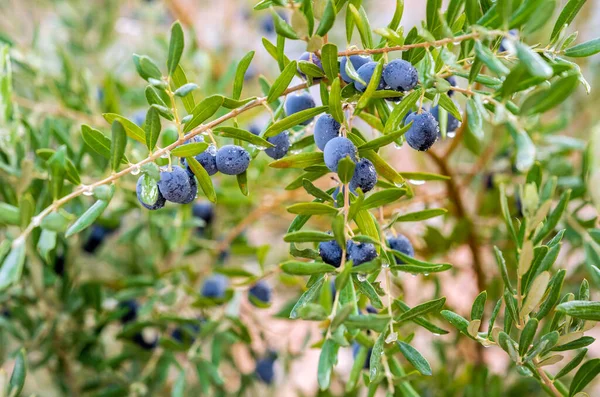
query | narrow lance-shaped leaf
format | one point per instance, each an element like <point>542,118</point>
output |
<point>87,218</point>
<point>566,16</point>
<point>293,120</point>
<point>152,128</point>
<point>119,142</point>
<point>238,82</point>
<point>413,356</point>
<point>175,47</point>
<point>203,178</point>
<point>282,82</point>
<point>17,379</point>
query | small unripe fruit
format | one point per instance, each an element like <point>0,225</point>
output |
<point>232,160</point>
<point>400,75</point>
<point>361,253</point>
<point>214,287</point>
<point>331,253</point>
<point>356,60</point>
<point>282,145</point>
<point>451,125</point>
<point>336,149</point>
<point>423,132</point>
<point>365,72</point>
<point>260,291</point>
<point>402,244</point>
<point>160,200</point>
<point>298,102</point>
<point>365,176</point>
<point>326,128</point>
<point>175,185</point>
<point>312,58</point>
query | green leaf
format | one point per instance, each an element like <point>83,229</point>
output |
<point>327,20</point>
<point>178,389</point>
<point>282,27</point>
<point>246,136</point>
<point>541,101</point>
<point>12,266</point>
<point>478,306</point>
<point>189,149</point>
<point>345,170</point>
<point>205,109</point>
<point>553,218</point>
<point>423,176</point>
<point>146,68</point>
<point>329,60</point>
<point>535,294</point>
<point>9,214</point>
<point>119,142</point>
<point>382,167</point>
<point>383,197</point>
<point>376,371</point>
<point>566,17</point>
<point>133,131</point>
<point>282,82</point>
<point>415,266</point>
<point>585,310</point>
<point>152,128</point>
<point>371,87</point>
<point>203,178</point>
<point>396,118</point>
<point>175,47</point>
<point>418,216</point>
<point>238,82</point>
<point>307,236</point>
<point>527,335</point>
<point>300,160</point>
<point>185,89</point>
<point>533,62</point>
<point>96,140</point>
<point>293,120</point>
<point>457,321</point>
<point>327,360</point>
<point>179,79</point>
<point>422,309</point>
<point>308,296</point>
<point>586,49</point>
<point>306,268</point>
<point>362,23</point>
<point>571,365</point>
<point>413,356</point>
<point>87,218</point>
<point>335,101</point>
<point>17,379</point>
<point>485,55</point>
<point>385,139</point>
<point>312,209</point>
<point>585,375</point>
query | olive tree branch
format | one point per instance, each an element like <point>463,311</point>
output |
<point>36,220</point>
<point>427,44</point>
